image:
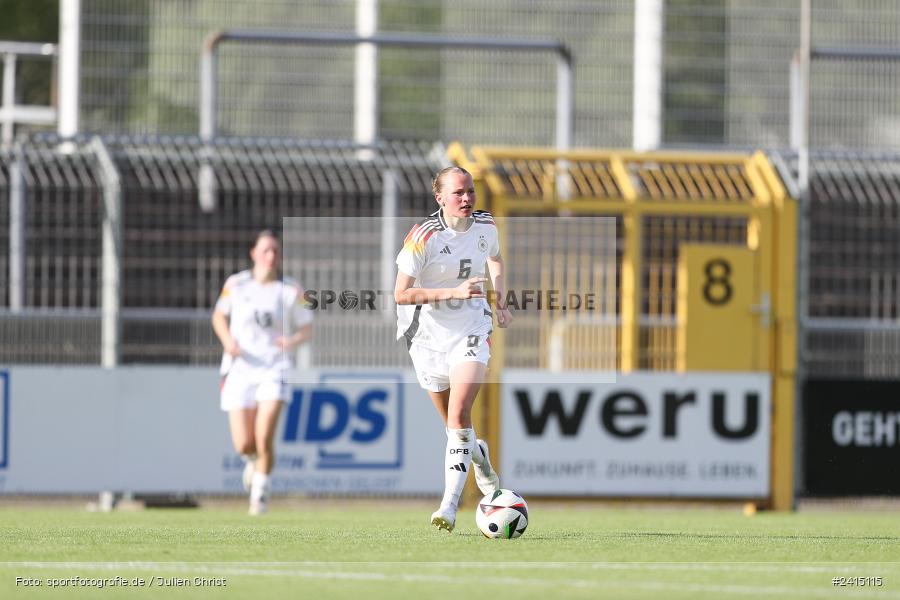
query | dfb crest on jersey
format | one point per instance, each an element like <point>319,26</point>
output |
<point>482,243</point>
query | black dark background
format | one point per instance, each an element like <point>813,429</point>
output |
<point>833,470</point>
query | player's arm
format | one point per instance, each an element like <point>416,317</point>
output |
<point>405,293</point>
<point>220,319</point>
<point>220,326</point>
<point>299,318</point>
<point>498,281</point>
<point>301,336</point>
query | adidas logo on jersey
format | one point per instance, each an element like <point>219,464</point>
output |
<point>446,250</point>
<point>471,352</point>
<point>458,467</point>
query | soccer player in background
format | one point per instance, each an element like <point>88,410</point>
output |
<point>260,319</point>
<point>446,321</point>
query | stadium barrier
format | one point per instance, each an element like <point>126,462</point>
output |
<point>175,256</point>
<point>706,254</point>
<point>159,430</point>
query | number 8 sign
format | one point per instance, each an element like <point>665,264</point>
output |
<point>718,329</point>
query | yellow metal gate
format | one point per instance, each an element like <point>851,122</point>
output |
<point>705,251</point>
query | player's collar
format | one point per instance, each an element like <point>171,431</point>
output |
<point>441,220</point>
<point>446,226</point>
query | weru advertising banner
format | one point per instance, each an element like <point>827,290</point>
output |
<point>644,434</point>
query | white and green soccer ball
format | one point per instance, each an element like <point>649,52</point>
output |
<point>502,514</point>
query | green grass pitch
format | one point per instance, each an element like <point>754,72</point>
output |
<point>386,549</point>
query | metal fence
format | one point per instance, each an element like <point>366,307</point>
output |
<point>850,298</point>
<point>173,257</point>
<point>726,71</point>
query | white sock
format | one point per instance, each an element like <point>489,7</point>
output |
<point>259,488</point>
<point>249,458</point>
<point>457,462</point>
<point>477,455</point>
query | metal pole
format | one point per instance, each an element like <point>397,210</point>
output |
<point>111,296</point>
<point>17,232</point>
<point>388,241</point>
<point>206,178</point>
<point>803,101</point>
<point>565,103</point>
<point>803,228</point>
<point>365,106</point>
<point>69,67</point>
<point>565,121</point>
<point>649,32</point>
<point>797,106</point>
<point>9,98</point>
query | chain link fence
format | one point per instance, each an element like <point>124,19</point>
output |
<point>852,303</point>
<point>174,256</point>
<point>725,71</point>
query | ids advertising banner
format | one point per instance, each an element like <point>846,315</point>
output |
<point>146,429</point>
<point>646,434</point>
<point>851,437</point>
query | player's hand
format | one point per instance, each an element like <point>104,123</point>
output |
<point>504,317</point>
<point>232,348</point>
<point>283,343</point>
<point>470,288</point>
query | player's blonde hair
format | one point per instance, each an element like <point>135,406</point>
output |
<point>438,180</point>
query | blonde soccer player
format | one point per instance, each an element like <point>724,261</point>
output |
<point>260,318</point>
<point>446,321</point>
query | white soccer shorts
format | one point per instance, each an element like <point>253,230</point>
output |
<point>240,390</point>
<point>433,366</point>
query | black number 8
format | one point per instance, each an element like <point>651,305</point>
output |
<point>717,290</point>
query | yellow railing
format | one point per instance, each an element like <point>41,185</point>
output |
<point>659,201</point>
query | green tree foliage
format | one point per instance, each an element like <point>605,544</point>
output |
<point>31,21</point>
<point>695,48</point>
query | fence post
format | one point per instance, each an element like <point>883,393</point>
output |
<point>17,222</point>
<point>365,105</point>
<point>69,67</point>
<point>649,31</point>
<point>111,273</point>
<point>389,247</point>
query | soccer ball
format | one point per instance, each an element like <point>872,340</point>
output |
<point>502,514</point>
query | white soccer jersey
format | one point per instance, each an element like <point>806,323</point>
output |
<point>439,257</point>
<point>258,314</point>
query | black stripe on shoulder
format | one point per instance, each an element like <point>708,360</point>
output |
<point>434,218</point>
<point>483,216</point>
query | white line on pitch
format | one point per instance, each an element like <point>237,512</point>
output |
<point>252,568</point>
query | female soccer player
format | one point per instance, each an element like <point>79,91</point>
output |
<point>446,321</point>
<point>259,318</point>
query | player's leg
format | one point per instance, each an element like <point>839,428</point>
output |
<point>270,398</point>
<point>241,422</point>
<point>237,400</point>
<point>433,374</point>
<point>441,400</point>
<point>465,380</point>
<point>267,415</point>
<point>243,437</point>
<point>487,478</point>
<point>266,424</point>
